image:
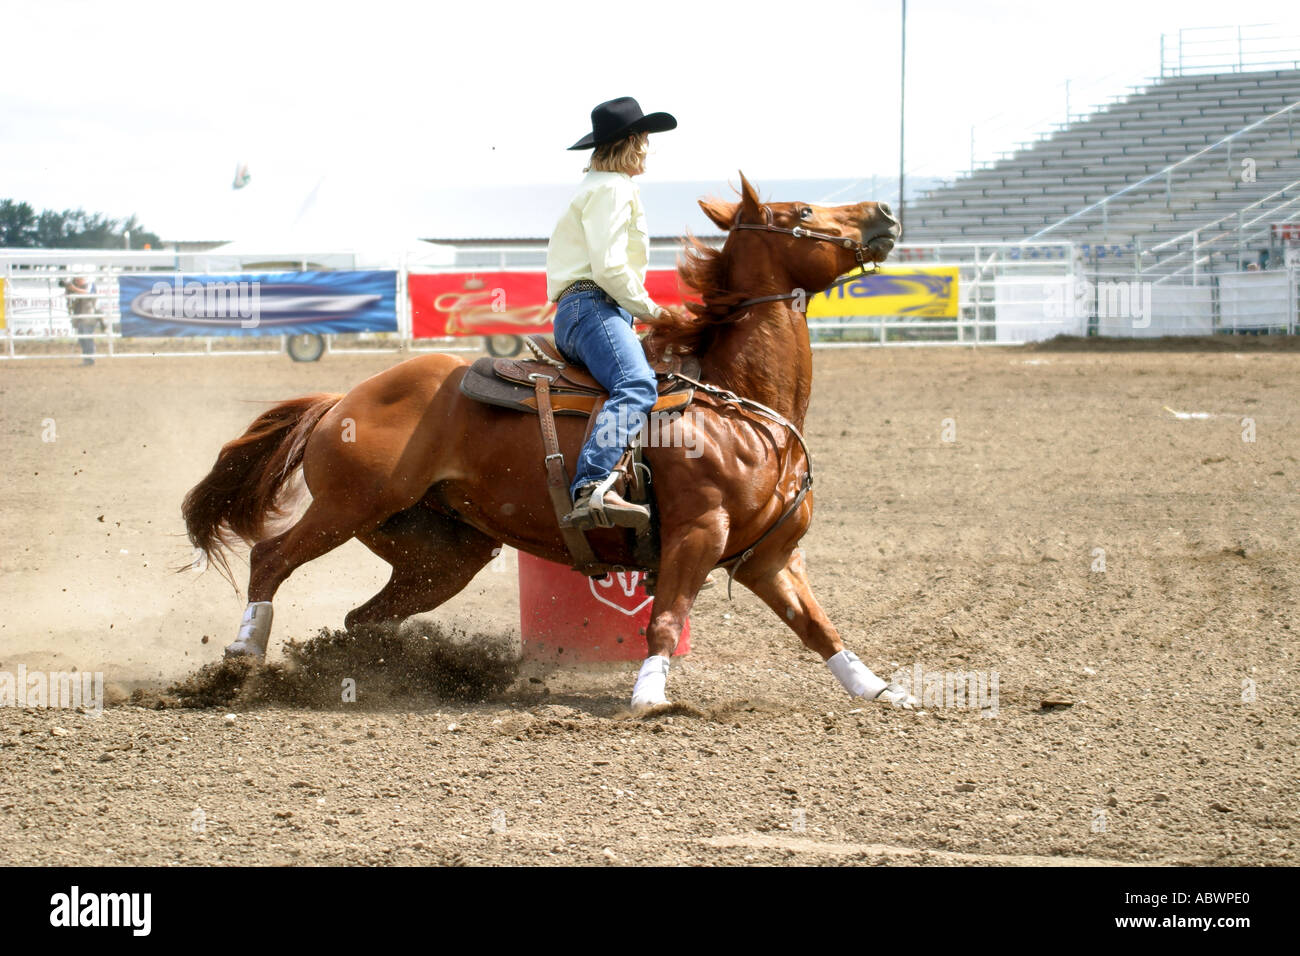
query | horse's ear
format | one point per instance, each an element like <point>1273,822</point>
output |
<point>751,207</point>
<point>722,213</point>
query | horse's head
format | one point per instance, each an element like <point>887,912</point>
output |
<point>813,243</point>
<point>776,254</point>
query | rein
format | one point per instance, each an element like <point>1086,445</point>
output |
<point>733,563</point>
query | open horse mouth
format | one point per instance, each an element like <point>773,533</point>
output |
<point>881,243</point>
<point>881,231</point>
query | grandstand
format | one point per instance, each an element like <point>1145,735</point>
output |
<point>1133,180</point>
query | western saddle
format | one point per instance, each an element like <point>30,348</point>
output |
<point>548,384</point>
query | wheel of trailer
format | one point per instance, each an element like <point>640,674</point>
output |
<point>305,348</point>
<point>503,346</point>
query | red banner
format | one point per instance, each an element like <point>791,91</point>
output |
<point>499,303</point>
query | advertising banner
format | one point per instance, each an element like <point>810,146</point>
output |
<point>33,307</point>
<point>278,303</point>
<point>914,291</point>
<point>499,303</point>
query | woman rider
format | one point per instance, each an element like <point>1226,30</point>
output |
<point>595,273</point>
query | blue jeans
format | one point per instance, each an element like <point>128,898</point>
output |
<point>592,329</point>
<point>83,328</point>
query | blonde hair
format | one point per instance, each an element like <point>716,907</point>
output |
<point>627,155</point>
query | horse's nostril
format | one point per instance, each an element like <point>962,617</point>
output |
<point>884,207</point>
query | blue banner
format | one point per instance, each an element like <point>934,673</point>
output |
<point>275,303</point>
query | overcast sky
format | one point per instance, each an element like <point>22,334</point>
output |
<point>348,112</point>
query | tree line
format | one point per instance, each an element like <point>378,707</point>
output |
<point>22,227</point>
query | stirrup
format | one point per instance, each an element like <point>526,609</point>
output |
<point>580,515</point>
<point>590,511</point>
<point>596,501</point>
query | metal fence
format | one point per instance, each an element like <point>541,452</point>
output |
<point>1002,288</point>
<point>1008,293</point>
<point>1128,305</point>
<point>38,323</point>
<point>1259,46</point>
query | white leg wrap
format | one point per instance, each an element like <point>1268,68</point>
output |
<point>859,681</point>
<point>651,682</point>
<point>254,631</point>
<point>856,676</point>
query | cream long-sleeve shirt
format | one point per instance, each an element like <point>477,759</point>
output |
<point>602,236</point>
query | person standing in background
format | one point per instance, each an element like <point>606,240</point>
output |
<point>84,313</point>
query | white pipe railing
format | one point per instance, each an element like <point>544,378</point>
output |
<point>993,275</point>
<point>1228,49</point>
<point>1199,260</point>
<point>1215,222</point>
<point>1239,230</point>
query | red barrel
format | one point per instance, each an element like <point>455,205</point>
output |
<point>567,616</point>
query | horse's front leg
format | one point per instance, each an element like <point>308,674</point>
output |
<point>784,587</point>
<point>686,557</point>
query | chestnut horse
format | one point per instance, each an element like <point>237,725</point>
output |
<point>434,482</point>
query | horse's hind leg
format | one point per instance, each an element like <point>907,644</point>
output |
<point>783,586</point>
<point>320,530</point>
<point>433,557</point>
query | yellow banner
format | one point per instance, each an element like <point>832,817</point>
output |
<point>914,291</point>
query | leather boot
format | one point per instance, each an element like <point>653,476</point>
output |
<point>611,511</point>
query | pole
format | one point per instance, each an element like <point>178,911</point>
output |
<point>902,102</point>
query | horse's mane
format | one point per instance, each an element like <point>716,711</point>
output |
<point>701,269</point>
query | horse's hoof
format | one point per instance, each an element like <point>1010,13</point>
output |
<point>898,696</point>
<point>643,705</point>
<point>254,631</point>
<point>244,649</point>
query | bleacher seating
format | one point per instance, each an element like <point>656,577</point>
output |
<point>1138,135</point>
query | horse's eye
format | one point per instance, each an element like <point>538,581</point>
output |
<point>805,213</point>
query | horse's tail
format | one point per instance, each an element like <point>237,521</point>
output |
<point>241,493</point>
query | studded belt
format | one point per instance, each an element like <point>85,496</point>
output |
<point>582,285</point>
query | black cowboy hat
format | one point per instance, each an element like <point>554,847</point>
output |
<point>612,120</point>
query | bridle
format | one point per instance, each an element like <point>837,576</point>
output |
<point>859,252</point>
<point>733,562</point>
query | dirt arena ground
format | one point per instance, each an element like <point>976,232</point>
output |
<point>1172,739</point>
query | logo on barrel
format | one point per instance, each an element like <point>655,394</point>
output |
<point>621,590</point>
